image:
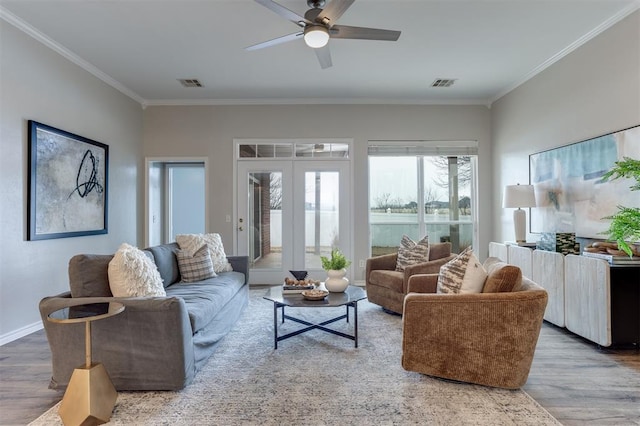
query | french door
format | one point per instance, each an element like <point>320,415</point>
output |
<point>289,213</point>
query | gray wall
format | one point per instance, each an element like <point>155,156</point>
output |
<point>593,91</point>
<point>38,84</point>
<point>209,131</point>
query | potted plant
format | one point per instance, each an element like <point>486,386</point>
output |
<point>625,224</point>
<point>336,271</point>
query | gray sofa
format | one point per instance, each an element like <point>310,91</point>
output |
<point>157,343</point>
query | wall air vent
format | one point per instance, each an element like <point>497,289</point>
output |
<point>190,82</point>
<point>443,82</point>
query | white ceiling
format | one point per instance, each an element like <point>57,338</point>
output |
<point>142,47</point>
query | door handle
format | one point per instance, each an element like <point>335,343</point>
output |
<point>240,228</point>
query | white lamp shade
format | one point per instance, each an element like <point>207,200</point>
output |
<point>316,36</point>
<point>517,196</point>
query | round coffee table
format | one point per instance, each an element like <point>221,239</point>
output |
<point>90,395</point>
<point>349,298</point>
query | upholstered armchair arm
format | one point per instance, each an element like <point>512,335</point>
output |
<point>458,336</point>
<point>240,264</point>
<point>422,283</point>
<point>385,262</point>
<point>150,335</point>
<point>430,267</point>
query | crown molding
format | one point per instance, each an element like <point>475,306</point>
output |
<point>313,101</point>
<point>66,53</point>
<point>570,48</point>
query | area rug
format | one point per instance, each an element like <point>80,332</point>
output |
<point>318,378</point>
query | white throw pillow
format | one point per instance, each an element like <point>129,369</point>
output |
<point>474,277</point>
<point>462,274</point>
<point>190,243</point>
<point>134,274</point>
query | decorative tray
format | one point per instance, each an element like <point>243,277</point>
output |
<point>314,294</point>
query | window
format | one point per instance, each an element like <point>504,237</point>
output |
<point>416,190</point>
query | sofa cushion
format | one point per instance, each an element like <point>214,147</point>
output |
<point>197,267</point>
<point>411,253</point>
<point>204,299</point>
<point>88,275</point>
<point>133,274</point>
<point>390,279</point>
<point>166,262</point>
<point>192,242</point>
<point>502,276</point>
<point>461,275</point>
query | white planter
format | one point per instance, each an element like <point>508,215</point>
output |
<point>336,282</point>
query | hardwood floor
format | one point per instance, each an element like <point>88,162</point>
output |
<point>575,380</point>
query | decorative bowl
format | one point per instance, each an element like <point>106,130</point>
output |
<point>314,294</point>
<point>299,275</point>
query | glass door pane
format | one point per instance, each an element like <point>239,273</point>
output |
<point>264,225</point>
<point>393,202</point>
<point>447,185</point>
<point>322,216</point>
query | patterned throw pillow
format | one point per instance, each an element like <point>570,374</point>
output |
<point>462,275</point>
<point>411,253</point>
<point>197,267</point>
<point>192,242</point>
<point>133,274</point>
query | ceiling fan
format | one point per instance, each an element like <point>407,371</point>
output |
<point>319,25</point>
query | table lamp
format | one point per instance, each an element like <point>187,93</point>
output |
<point>519,196</point>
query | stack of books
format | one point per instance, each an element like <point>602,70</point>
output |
<point>613,259</point>
<point>296,289</point>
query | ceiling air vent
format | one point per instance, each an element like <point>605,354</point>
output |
<point>190,82</point>
<point>443,82</point>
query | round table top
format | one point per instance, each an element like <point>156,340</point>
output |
<point>351,294</point>
<point>85,313</point>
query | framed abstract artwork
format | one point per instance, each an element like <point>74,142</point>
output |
<point>570,193</point>
<point>68,184</point>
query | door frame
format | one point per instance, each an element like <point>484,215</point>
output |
<point>349,179</point>
<point>151,162</point>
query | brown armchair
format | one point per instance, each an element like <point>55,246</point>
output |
<point>483,338</point>
<point>387,287</point>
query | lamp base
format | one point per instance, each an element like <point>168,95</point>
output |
<point>520,225</point>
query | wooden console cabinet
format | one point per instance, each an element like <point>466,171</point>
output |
<point>602,302</point>
<point>589,297</point>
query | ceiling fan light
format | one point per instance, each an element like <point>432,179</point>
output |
<point>316,36</point>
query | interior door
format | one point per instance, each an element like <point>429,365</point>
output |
<point>289,214</point>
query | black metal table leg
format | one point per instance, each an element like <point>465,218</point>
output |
<point>355,322</point>
<point>275,325</point>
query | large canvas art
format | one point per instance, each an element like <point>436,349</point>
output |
<point>570,193</point>
<point>68,178</point>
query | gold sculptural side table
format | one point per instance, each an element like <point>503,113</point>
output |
<point>90,395</point>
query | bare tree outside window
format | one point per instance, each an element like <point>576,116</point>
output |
<point>275,194</point>
<point>464,171</point>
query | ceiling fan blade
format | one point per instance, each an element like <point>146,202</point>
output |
<point>334,10</point>
<point>345,31</point>
<point>324,56</point>
<point>283,11</point>
<point>275,41</point>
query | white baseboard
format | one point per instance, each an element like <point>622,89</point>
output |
<point>21,332</point>
<point>359,283</point>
